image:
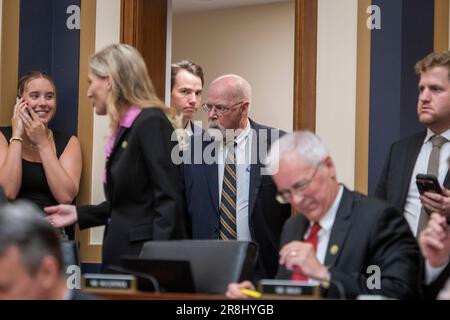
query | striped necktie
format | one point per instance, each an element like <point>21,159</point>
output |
<point>228,198</point>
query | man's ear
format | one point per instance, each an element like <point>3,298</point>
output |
<point>329,163</point>
<point>245,108</point>
<point>48,273</point>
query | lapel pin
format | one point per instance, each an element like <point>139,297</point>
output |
<point>124,145</point>
<point>334,249</point>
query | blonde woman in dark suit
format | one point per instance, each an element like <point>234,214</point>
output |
<point>142,184</point>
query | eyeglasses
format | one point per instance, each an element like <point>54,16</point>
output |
<point>297,189</point>
<point>220,109</point>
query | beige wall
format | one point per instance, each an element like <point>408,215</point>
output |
<point>107,32</point>
<point>256,42</point>
<point>336,83</point>
<point>261,35</point>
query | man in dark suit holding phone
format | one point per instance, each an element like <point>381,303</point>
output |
<point>426,152</point>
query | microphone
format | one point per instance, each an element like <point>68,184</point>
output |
<point>339,287</point>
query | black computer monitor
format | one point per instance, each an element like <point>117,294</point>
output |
<point>171,275</point>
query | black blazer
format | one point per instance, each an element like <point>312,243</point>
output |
<point>366,232</point>
<point>143,190</point>
<point>266,215</point>
<point>393,187</point>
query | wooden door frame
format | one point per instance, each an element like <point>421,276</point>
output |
<point>305,64</point>
<point>144,26</point>
<point>88,253</point>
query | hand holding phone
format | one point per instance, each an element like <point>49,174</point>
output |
<point>28,112</point>
<point>26,107</point>
<point>428,183</point>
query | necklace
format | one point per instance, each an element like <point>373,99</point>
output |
<point>34,147</point>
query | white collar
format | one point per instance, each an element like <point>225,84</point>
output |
<point>242,135</point>
<point>188,128</point>
<point>327,220</point>
<point>445,134</point>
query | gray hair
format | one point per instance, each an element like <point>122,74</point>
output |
<point>22,224</point>
<point>303,144</point>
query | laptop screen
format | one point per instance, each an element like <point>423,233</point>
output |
<point>171,275</point>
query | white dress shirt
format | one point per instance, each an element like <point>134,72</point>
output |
<point>188,129</point>
<point>326,224</point>
<point>243,160</point>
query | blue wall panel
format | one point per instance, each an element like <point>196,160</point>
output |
<point>406,36</point>
<point>47,44</point>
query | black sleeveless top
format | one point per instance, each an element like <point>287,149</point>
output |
<point>34,185</point>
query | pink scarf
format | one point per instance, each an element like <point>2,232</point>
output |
<point>127,121</point>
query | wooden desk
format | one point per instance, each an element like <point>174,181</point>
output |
<point>115,295</point>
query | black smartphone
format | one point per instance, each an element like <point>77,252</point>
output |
<point>28,111</point>
<point>428,183</point>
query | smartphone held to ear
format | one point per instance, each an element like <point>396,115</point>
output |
<point>428,183</point>
<point>28,111</point>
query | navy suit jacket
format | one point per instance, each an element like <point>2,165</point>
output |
<point>195,128</point>
<point>393,187</point>
<point>365,232</point>
<point>266,215</point>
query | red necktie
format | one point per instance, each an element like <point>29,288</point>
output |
<point>313,239</point>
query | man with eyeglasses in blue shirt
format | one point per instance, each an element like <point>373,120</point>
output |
<point>228,195</point>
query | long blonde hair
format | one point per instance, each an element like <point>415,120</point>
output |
<point>131,84</point>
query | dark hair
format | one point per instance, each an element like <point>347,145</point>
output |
<point>30,76</point>
<point>187,65</point>
<point>22,224</point>
<point>434,59</point>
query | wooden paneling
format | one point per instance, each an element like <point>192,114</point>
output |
<point>9,59</point>
<point>305,64</point>
<point>88,253</point>
<point>441,25</point>
<point>362,100</point>
<point>128,21</point>
<point>144,26</point>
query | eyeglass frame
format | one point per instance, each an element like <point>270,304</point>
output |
<point>297,188</point>
<point>220,111</point>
